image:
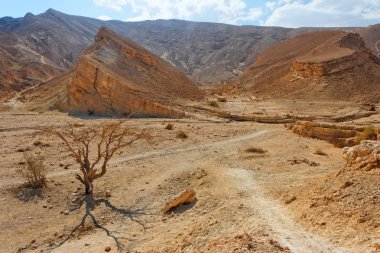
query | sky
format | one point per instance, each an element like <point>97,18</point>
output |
<point>285,13</point>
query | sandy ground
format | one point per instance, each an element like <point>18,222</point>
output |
<point>247,202</point>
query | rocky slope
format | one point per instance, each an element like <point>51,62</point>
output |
<point>15,73</point>
<point>117,76</point>
<point>324,65</point>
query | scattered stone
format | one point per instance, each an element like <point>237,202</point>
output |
<point>200,174</point>
<point>45,206</point>
<point>107,249</point>
<point>346,184</point>
<point>290,200</point>
<point>61,165</point>
<point>66,212</point>
<point>307,161</point>
<point>108,193</point>
<point>33,241</point>
<point>86,244</point>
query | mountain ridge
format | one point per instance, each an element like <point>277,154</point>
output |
<point>205,52</point>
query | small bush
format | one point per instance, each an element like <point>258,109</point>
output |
<point>213,103</point>
<point>169,126</point>
<point>40,144</point>
<point>319,151</point>
<point>369,133</point>
<point>222,99</point>
<point>37,143</point>
<point>255,150</point>
<point>182,135</point>
<point>21,150</point>
<point>34,171</point>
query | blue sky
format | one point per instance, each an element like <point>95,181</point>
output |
<point>288,13</point>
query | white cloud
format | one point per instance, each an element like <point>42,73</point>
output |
<point>104,17</point>
<point>296,13</point>
<point>113,4</point>
<point>226,11</point>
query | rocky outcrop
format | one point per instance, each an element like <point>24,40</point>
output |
<point>339,135</point>
<point>94,91</point>
<point>365,156</point>
<point>117,76</point>
<point>308,69</point>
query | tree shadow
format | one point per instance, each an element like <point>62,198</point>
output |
<point>90,203</point>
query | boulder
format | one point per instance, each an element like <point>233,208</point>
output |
<point>365,156</point>
<point>185,198</point>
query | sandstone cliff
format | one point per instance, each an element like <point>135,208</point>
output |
<point>117,76</point>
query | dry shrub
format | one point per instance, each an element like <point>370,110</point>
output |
<point>369,133</point>
<point>21,150</point>
<point>213,103</point>
<point>319,151</point>
<point>37,143</point>
<point>169,126</point>
<point>182,135</point>
<point>255,150</point>
<point>34,171</point>
<point>222,99</point>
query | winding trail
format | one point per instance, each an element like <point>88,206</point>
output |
<point>277,218</point>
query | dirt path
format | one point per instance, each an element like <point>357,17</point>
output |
<point>152,154</point>
<point>276,217</point>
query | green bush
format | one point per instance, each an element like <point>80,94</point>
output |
<point>213,103</point>
<point>369,133</point>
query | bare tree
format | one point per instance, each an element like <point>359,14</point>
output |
<point>104,140</point>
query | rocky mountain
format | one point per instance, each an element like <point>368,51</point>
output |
<point>117,76</point>
<point>206,52</point>
<point>325,65</point>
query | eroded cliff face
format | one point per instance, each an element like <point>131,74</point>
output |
<point>117,76</point>
<point>308,69</point>
<point>94,91</point>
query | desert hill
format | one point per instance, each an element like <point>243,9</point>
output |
<point>206,52</point>
<point>326,65</point>
<point>113,76</point>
